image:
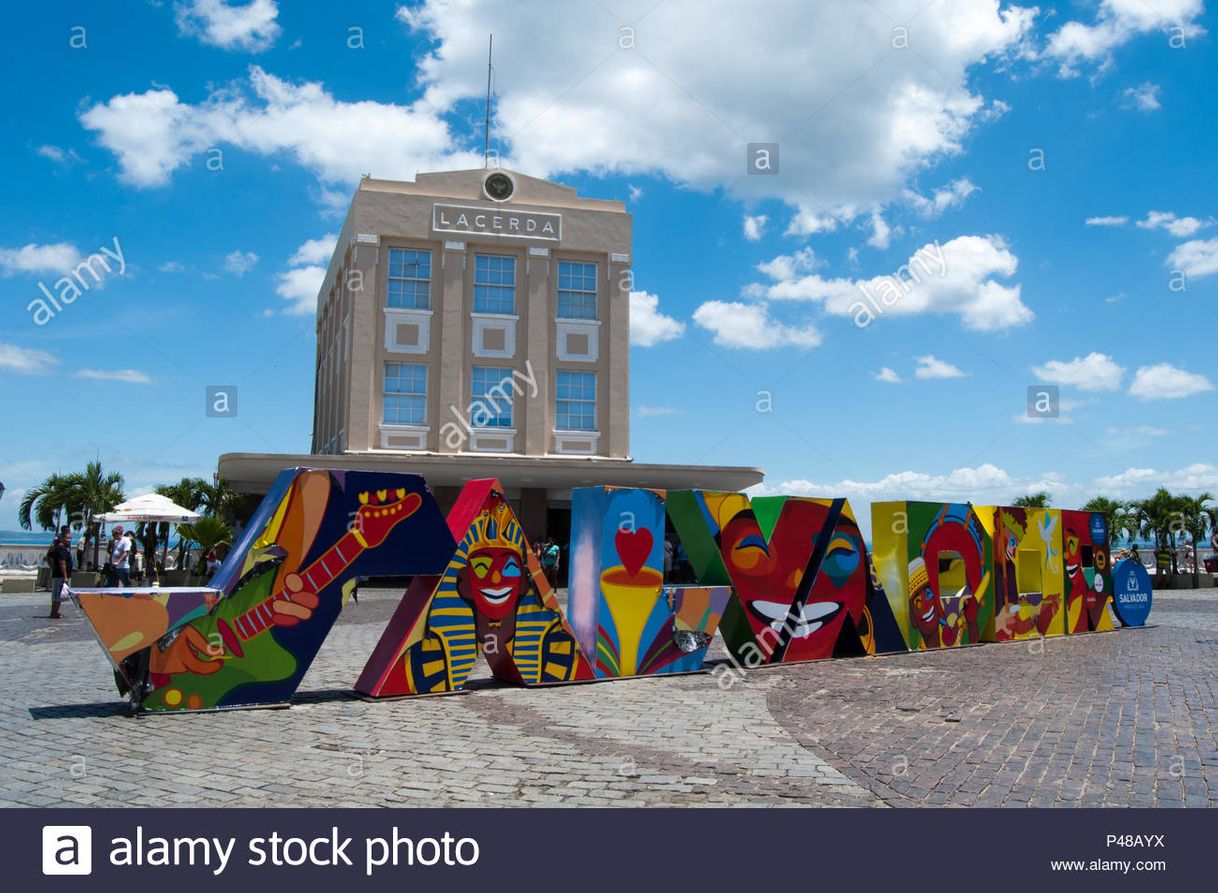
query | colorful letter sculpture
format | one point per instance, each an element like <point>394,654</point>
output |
<point>1029,574</point>
<point>492,597</point>
<point>784,579</point>
<point>1086,562</point>
<point>249,639</point>
<point>934,561</point>
<point>804,588</point>
<point>617,602</point>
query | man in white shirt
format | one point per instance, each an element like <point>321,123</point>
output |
<point>120,551</point>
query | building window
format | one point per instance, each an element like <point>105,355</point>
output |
<point>491,392</point>
<point>405,394</point>
<point>576,290</point>
<point>575,409</point>
<point>409,279</point>
<point>494,284</point>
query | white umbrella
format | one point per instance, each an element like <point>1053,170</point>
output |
<point>151,507</point>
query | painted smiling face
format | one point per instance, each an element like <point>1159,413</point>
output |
<point>494,580</point>
<point>925,608</point>
<point>767,576</point>
<point>1073,556</point>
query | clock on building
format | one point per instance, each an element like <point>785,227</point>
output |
<point>498,186</point>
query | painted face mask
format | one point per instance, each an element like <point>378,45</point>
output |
<point>925,608</point>
<point>494,580</point>
<point>767,576</point>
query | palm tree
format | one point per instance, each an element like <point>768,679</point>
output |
<point>95,492</point>
<point>48,504</point>
<point>212,498</point>
<point>188,492</point>
<point>209,532</point>
<point>1157,518</point>
<point>1194,518</point>
<point>1121,523</point>
<point>72,499</point>
<point>217,498</point>
<point>1032,501</point>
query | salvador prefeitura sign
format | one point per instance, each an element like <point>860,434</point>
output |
<point>1131,592</point>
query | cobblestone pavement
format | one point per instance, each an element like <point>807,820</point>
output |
<point>1115,719</point>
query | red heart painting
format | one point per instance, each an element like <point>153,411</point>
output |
<point>633,547</point>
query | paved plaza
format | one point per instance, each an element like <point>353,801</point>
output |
<point>1115,719</point>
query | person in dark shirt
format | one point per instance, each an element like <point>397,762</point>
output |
<point>60,558</point>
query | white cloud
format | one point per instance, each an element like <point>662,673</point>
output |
<point>648,326</point>
<point>958,277</point>
<point>951,196</point>
<point>647,411</point>
<point>171,266</point>
<point>250,27</point>
<point>1196,258</point>
<point>1065,407</point>
<point>59,257</point>
<point>1118,22</point>
<point>851,137</point>
<point>130,376</point>
<point>1180,227</point>
<point>299,287</point>
<point>754,227</point>
<point>996,109</point>
<point>1143,97</point>
<point>238,263</point>
<point>25,360</point>
<point>888,375</point>
<point>984,484</point>
<point>785,267</point>
<point>881,232</point>
<point>1114,220</point>
<point>635,192</point>
<point>750,326</point>
<point>930,366</point>
<point>1094,372</point>
<point>1164,381</point>
<point>1144,430</point>
<point>1137,481</point>
<point>62,157</point>
<point>300,283</point>
<point>988,484</point>
<point>155,134</point>
<point>315,251</point>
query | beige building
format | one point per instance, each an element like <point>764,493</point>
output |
<point>476,312</point>
<point>477,323</point>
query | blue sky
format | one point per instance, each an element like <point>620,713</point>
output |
<point>1051,168</point>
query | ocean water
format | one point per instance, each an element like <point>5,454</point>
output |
<point>25,537</point>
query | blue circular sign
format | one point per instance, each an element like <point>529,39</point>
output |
<point>1099,528</point>
<point>1131,592</point>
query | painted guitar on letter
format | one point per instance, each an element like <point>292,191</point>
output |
<point>231,646</point>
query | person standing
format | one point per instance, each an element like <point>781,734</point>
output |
<point>136,559</point>
<point>60,557</point>
<point>1163,562</point>
<point>549,562</point>
<point>120,554</point>
<point>669,551</point>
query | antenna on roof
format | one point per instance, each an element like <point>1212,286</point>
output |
<point>486,134</point>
